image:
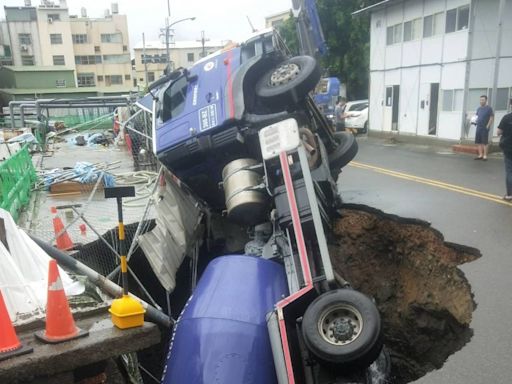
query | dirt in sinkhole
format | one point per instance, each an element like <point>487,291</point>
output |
<point>424,299</point>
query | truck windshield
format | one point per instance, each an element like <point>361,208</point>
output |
<point>174,99</point>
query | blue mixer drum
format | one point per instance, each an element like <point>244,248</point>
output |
<point>221,336</point>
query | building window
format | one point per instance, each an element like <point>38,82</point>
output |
<point>60,83</point>
<point>100,78</point>
<point>127,77</point>
<point>53,17</point>
<point>79,38</point>
<point>59,60</point>
<point>97,49</point>
<point>452,100</point>
<point>394,34</point>
<point>190,57</point>
<point>433,25</point>
<point>457,19</point>
<point>111,38</point>
<point>151,77</point>
<point>25,38</point>
<point>412,30</point>
<point>113,79</point>
<point>116,59</point>
<point>84,60</point>
<point>473,101</point>
<point>125,48</point>
<point>502,99</point>
<point>85,79</point>
<point>55,38</point>
<point>7,51</point>
<point>154,58</point>
<point>27,60</point>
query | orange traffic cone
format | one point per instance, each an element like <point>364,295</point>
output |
<point>64,242</point>
<point>9,344</point>
<point>60,325</point>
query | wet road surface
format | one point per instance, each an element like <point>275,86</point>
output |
<point>462,199</point>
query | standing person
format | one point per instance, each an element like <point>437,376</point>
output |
<point>339,114</point>
<point>484,122</point>
<point>505,131</point>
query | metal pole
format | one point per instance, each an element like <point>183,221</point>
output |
<point>100,281</point>
<point>167,50</point>
<point>497,57</point>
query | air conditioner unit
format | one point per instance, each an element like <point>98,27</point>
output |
<point>50,20</point>
<point>23,47</point>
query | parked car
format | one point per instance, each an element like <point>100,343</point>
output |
<point>357,116</point>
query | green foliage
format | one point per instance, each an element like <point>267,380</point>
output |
<point>288,32</point>
<point>348,40</point>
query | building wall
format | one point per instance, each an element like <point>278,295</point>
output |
<point>119,51</point>
<point>414,65</point>
<point>23,20</point>
<point>277,19</point>
<point>179,51</point>
<point>48,26</point>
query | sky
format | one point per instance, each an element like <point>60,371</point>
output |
<point>221,19</point>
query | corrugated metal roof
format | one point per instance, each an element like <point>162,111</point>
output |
<point>27,91</point>
<point>157,44</point>
<point>36,68</point>
<point>376,7</point>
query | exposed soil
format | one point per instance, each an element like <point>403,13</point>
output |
<point>425,300</point>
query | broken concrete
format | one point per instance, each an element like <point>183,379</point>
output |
<point>61,362</point>
<point>425,300</point>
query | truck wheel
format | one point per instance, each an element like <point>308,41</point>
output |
<point>344,153</point>
<point>342,328</point>
<point>365,129</point>
<point>289,82</point>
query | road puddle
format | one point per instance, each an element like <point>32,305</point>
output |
<point>425,300</point>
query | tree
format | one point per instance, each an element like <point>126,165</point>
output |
<point>348,39</point>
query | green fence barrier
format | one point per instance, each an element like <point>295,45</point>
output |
<point>17,176</point>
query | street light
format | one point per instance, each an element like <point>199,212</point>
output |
<point>167,35</point>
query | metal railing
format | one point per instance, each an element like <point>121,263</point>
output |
<point>17,176</point>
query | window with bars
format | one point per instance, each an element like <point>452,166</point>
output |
<point>100,78</point>
<point>80,38</point>
<point>55,38</point>
<point>85,79</point>
<point>59,60</point>
<point>90,59</point>
<point>54,17</point>
<point>116,59</point>
<point>27,60</point>
<point>25,38</point>
<point>111,38</point>
<point>127,77</point>
<point>60,83</point>
<point>113,79</point>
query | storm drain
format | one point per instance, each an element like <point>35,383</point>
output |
<point>424,299</point>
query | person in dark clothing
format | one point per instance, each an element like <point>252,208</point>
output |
<point>483,125</point>
<point>339,114</point>
<point>505,133</point>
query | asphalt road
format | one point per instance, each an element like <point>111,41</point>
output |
<point>461,198</point>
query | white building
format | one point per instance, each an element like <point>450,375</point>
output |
<point>152,57</point>
<point>430,61</point>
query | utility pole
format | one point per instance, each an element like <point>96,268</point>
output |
<point>203,40</point>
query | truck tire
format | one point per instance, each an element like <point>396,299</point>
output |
<point>289,82</point>
<point>344,153</point>
<point>342,328</point>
